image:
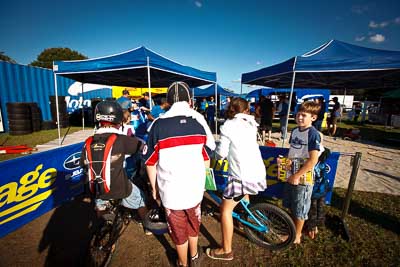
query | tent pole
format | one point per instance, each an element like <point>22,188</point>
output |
<point>344,101</point>
<point>149,82</point>
<point>58,115</point>
<point>216,110</point>
<point>193,98</point>
<point>83,110</point>
<point>290,101</point>
<point>241,87</point>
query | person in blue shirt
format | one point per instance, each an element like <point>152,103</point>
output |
<point>124,101</point>
<point>224,106</point>
<point>138,118</point>
<point>283,110</point>
<point>203,106</point>
<point>159,109</point>
<point>144,102</point>
<point>210,113</point>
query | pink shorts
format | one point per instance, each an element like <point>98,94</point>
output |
<point>183,223</point>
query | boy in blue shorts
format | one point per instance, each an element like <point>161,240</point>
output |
<point>305,145</point>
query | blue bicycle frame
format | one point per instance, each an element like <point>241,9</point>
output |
<point>259,227</point>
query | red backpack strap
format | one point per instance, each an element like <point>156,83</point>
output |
<point>107,162</point>
<point>89,157</point>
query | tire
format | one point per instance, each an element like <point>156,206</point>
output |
<point>103,244</point>
<point>157,226</point>
<point>18,108</point>
<point>20,126</point>
<point>281,230</point>
<point>17,116</point>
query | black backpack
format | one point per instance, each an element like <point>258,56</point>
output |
<point>98,153</point>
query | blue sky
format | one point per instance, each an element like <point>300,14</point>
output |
<point>229,37</point>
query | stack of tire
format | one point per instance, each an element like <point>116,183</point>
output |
<point>62,111</point>
<point>36,114</point>
<point>23,118</point>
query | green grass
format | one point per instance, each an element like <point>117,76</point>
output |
<point>374,226</point>
<point>31,140</point>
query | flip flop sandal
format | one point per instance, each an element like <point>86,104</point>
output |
<point>224,256</point>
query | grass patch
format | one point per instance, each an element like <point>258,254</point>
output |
<point>31,140</point>
<point>374,225</point>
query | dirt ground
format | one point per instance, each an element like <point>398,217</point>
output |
<point>60,238</point>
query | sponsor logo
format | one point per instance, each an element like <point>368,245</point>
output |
<point>98,146</point>
<point>27,194</point>
<point>327,168</point>
<point>100,117</point>
<point>72,162</point>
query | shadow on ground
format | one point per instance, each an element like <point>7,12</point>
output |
<point>365,212</point>
<point>68,234</point>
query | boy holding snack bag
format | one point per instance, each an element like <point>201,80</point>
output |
<point>297,168</point>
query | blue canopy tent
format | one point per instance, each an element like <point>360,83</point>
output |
<point>139,67</point>
<point>209,91</point>
<point>333,65</point>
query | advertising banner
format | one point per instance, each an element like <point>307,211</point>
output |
<point>1,122</point>
<point>136,92</point>
<point>32,185</point>
<point>275,185</point>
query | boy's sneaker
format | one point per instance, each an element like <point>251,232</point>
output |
<point>147,232</point>
<point>196,261</point>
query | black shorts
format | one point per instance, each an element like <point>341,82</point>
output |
<point>334,120</point>
<point>236,199</point>
<point>266,124</point>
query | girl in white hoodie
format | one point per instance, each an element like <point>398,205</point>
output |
<point>247,175</point>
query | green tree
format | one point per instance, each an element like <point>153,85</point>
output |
<point>46,58</point>
<point>4,57</point>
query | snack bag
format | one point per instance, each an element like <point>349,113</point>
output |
<point>288,166</point>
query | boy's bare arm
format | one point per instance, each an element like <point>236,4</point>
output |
<point>207,163</point>
<point>152,174</point>
<point>308,166</point>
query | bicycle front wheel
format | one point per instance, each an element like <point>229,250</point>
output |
<point>280,232</point>
<point>102,246</point>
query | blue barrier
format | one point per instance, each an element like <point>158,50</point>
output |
<point>32,185</point>
<point>275,186</point>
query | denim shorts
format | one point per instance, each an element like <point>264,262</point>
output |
<point>297,198</point>
<point>135,200</point>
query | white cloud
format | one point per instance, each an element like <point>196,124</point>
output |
<point>237,80</point>
<point>372,24</point>
<point>397,20</point>
<point>384,24</point>
<point>198,3</point>
<point>377,38</point>
<point>258,63</point>
<point>360,38</point>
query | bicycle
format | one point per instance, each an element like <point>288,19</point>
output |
<point>264,224</point>
<point>111,225</point>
